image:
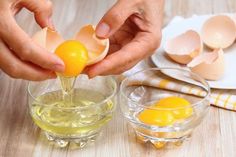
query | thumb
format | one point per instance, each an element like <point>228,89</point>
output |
<point>42,10</point>
<point>114,19</point>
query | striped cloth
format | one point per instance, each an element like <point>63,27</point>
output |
<point>225,99</point>
<point>219,98</point>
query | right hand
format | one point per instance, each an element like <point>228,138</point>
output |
<point>134,29</point>
<point>20,57</point>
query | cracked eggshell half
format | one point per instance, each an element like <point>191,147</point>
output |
<point>48,39</point>
<point>219,32</point>
<point>97,48</point>
<point>184,47</point>
<point>210,66</point>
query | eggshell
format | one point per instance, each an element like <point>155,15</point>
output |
<point>48,38</point>
<point>210,66</point>
<point>185,47</point>
<point>97,48</point>
<point>234,18</point>
<point>219,32</point>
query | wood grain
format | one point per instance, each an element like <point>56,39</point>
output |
<point>215,137</point>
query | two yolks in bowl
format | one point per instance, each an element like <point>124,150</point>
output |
<point>166,111</point>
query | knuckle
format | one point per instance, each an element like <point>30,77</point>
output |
<point>130,65</point>
<point>25,52</point>
<point>13,70</point>
<point>120,71</point>
<point>127,67</point>
<point>130,58</point>
<point>116,16</point>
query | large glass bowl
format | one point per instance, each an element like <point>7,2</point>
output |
<point>93,102</point>
<point>140,91</point>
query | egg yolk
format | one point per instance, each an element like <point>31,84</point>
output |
<point>185,110</point>
<point>174,108</point>
<point>159,145</point>
<point>74,55</point>
<point>156,117</point>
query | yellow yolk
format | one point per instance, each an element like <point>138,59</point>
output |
<point>159,145</point>
<point>185,110</point>
<point>169,114</point>
<point>74,55</point>
<point>156,117</point>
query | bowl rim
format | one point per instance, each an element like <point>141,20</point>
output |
<point>113,94</point>
<point>207,86</point>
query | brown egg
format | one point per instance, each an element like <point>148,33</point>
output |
<point>210,66</point>
<point>97,48</point>
<point>183,48</point>
<point>219,32</point>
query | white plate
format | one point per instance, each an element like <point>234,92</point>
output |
<point>180,25</point>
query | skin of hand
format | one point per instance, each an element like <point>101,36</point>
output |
<point>20,57</point>
<point>134,30</point>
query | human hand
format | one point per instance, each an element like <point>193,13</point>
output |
<point>134,29</point>
<point>20,57</point>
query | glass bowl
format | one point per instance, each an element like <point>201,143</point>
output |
<point>93,102</point>
<point>141,96</point>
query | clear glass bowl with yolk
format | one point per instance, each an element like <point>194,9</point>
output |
<point>164,109</point>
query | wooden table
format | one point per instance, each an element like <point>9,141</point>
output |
<point>215,137</point>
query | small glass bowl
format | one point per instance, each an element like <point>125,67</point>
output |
<point>140,91</point>
<point>80,122</point>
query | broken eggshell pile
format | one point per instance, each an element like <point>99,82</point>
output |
<point>218,33</point>
<point>97,48</point>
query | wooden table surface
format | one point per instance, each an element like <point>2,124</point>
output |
<point>19,137</point>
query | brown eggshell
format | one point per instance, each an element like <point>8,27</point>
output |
<point>183,48</point>
<point>219,32</point>
<point>210,66</point>
<point>48,39</point>
<point>97,48</point>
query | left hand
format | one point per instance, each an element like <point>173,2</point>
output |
<point>134,29</point>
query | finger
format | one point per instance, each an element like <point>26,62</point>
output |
<point>16,68</point>
<point>115,18</point>
<point>42,10</point>
<point>140,47</point>
<point>114,48</point>
<point>25,48</point>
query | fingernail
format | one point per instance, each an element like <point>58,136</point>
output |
<point>59,65</point>
<point>59,68</point>
<point>102,30</point>
<point>50,24</point>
